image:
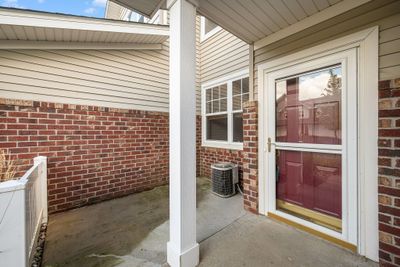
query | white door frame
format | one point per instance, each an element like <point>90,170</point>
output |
<point>348,149</point>
<point>366,41</point>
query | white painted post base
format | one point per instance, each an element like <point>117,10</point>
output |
<point>187,258</point>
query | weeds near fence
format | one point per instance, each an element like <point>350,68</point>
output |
<point>7,167</point>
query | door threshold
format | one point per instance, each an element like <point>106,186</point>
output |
<point>316,217</point>
<point>309,230</point>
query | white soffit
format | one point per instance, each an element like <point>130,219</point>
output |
<point>37,30</point>
<point>113,11</point>
<point>145,7</point>
<point>260,21</point>
<point>254,20</point>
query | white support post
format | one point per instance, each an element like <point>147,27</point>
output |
<point>182,248</point>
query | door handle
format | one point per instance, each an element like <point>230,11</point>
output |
<point>269,144</point>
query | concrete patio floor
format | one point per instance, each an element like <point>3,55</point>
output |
<point>259,241</point>
<point>133,231</point>
<point>130,231</point>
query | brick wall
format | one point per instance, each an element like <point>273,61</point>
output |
<point>209,155</point>
<point>94,153</point>
<point>247,158</point>
<point>250,156</point>
<point>389,172</point>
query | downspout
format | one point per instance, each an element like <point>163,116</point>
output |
<point>251,72</point>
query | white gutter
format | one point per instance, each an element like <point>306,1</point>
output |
<point>19,44</point>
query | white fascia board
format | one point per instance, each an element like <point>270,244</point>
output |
<point>17,44</point>
<point>107,9</point>
<point>310,21</point>
<point>47,20</point>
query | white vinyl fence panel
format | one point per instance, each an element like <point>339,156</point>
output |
<point>23,208</point>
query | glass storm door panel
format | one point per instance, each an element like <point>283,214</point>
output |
<point>308,131</point>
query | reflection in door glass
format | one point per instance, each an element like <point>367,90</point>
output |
<point>308,107</point>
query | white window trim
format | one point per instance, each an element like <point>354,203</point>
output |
<point>228,80</point>
<point>204,36</point>
<point>367,42</point>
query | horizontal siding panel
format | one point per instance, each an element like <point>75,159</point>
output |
<point>391,33</point>
<point>50,93</point>
<point>127,64</point>
<point>161,55</point>
<point>48,64</point>
<point>114,88</point>
<point>65,88</point>
<point>216,39</point>
<point>122,79</point>
<point>224,70</point>
<point>221,55</point>
<point>76,77</point>
<point>229,56</point>
<point>30,69</point>
<point>71,58</point>
<point>390,60</point>
<point>389,47</point>
<point>139,59</point>
<point>219,48</point>
<point>238,65</point>
<point>389,72</point>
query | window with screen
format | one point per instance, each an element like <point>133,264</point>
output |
<point>223,112</point>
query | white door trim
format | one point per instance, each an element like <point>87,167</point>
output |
<point>367,43</point>
<point>348,149</point>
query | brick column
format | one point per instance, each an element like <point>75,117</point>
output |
<point>389,172</point>
<point>198,145</point>
<point>250,156</point>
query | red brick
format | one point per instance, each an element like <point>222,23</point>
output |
<point>389,132</point>
<point>35,132</point>
<point>8,132</point>
<point>18,114</point>
<point>389,113</point>
<point>389,248</point>
<point>384,255</point>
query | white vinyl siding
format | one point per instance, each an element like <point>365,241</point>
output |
<point>221,55</point>
<point>386,16</point>
<point>131,79</point>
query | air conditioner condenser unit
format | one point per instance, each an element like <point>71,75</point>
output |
<point>224,177</point>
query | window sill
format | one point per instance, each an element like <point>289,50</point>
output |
<point>225,145</point>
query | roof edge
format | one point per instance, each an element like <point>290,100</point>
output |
<point>62,45</point>
<point>25,17</point>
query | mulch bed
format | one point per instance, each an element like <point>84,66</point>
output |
<point>38,256</point>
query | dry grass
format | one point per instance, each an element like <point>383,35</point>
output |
<point>7,167</point>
